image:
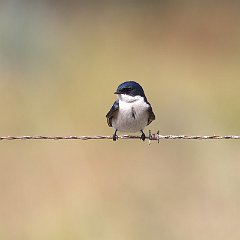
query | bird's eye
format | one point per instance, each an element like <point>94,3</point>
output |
<point>127,90</point>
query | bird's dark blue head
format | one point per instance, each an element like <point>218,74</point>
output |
<point>130,88</point>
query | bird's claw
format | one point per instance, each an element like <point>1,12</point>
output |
<point>143,136</point>
<point>115,136</point>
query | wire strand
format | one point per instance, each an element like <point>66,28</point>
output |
<point>151,137</point>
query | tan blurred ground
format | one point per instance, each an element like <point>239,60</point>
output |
<point>59,66</point>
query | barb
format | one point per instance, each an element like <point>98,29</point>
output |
<point>151,137</point>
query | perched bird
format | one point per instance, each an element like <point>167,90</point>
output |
<point>131,112</point>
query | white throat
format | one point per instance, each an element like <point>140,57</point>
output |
<point>128,99</point>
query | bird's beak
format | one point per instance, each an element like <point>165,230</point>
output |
<point>117,92</point>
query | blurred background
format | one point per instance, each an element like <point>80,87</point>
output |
<point>61,61</point>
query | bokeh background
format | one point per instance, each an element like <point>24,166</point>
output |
<point>60,62</point>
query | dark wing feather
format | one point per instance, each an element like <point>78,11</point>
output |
<point>151,114</point>
<point>112,112</point>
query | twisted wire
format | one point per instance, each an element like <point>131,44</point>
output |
<point>151,137</point>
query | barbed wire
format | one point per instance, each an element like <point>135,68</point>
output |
<point>151,137</point>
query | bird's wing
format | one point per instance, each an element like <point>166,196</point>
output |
<point>112,112</point>
<point>151,116</point>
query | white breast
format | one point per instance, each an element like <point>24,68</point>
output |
<point>132,115</point>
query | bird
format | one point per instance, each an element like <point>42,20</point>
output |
<point>131,112</point>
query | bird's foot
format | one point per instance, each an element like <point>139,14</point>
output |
<point>115,136</point>
<point>143,136</point>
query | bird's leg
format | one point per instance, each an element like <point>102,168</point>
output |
<point>143,137</point>
<point>115,136</point>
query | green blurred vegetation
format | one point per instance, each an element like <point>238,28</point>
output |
<point>60,63</point>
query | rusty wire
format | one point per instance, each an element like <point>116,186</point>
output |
<point>151,137</point>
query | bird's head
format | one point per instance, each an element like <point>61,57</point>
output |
<point>130,91</point>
